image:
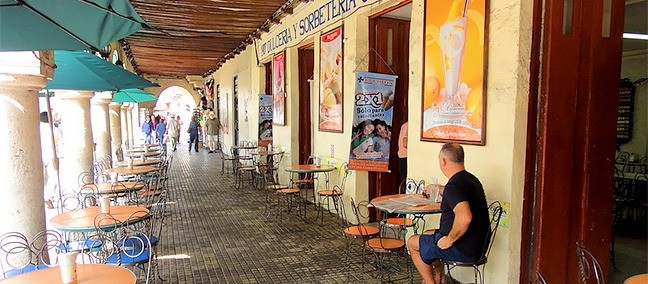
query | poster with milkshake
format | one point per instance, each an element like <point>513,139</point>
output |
<point>454,86</point>
<point>330,80</point>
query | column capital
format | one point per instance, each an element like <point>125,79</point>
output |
<point>101,98</point>
<point>124,106</point>
<point>115,105</point>
<point>31,82</point>
<point>74,95</point>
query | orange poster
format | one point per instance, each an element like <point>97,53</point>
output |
<point>331,81</point>
<point>454,71</point>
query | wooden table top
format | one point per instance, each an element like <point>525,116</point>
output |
<point>139,162</point>
<point>421,209</point>
<point>108,188</point>
<point>637,279</point>
<point>266,153</point>
<point>139,154</point>
<point>133,171</point>
<point>86,274</point>
<point>83,220</point>
<point>310,168</point>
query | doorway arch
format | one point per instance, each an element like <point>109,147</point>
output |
<point>177,101</point>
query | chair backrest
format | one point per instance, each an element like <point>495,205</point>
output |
<point>588,265</point>
<point>361,212</point>
<point>408,186</point>
<point>119,154</point>
<point>540,279</point>
<point>18,252</point>
<point>622,156</point>
<point>496,211</point>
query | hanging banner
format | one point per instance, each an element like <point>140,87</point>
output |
<point>372,122</point>
<point>265,120</point>
<point>330,80</point>
<point>278,86</point>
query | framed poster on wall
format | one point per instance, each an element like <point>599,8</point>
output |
<point>454,72</point>
<point>330,80</point>
<point>278,87</point>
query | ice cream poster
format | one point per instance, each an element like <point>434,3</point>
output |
<point>265,119</point>
<point>455,81</point>
<point>330,80</point>
<point>278,84</point>
<point>373,107</point>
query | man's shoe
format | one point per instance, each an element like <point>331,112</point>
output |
<point>210,151</point>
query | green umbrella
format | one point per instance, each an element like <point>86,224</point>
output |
<point>133,96</point>
<point>78,70</point>
<point>65,24</point>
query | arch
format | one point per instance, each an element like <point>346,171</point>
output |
<point>177,101</point>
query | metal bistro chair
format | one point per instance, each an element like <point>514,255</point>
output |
<point>383,249</point>
<point>589,267</point>
<point>21,255</point>
<point>496,210</point>
<point>335,194</point>
<point>356,230</point>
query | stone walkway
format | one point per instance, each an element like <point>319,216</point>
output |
<point>217,234</point>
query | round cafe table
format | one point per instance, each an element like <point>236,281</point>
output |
<point>133,171</point>
<point>637,279</point>
<point>86,274</point>
<point>418,212</point>
<point>108,188</point>
<point>83,220</point>
<point>139,154</point>
<point>139,162</point>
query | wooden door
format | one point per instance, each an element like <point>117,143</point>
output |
<point>389,39</point>
<point>236,110</point>
<point>572,127</point>
<point>306,67</point>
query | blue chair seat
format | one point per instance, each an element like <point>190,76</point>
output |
<point>135,256</point>
<point>28,268</point>
<point>134,242</point>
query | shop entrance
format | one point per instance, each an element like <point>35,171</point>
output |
<point>306,65</point>
<point>389,54</point>
<point>236,111</point>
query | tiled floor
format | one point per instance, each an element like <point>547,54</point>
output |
<point>217,234</point>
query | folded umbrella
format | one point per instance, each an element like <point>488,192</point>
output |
<point>65,24</point>
<point>78,70</point>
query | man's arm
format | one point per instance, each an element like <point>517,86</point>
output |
<point>462,219</point>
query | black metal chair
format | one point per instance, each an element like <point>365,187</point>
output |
<point>589,267</point>
<point>496,210</point>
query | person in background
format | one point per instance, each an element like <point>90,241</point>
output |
<point>402,152</point>
<point>179,127</point>
<point>464,228</point>
<point>147,128</point>
<point>160,129</point>
<point>213,125</point>
<point>194,127</point>
<point>173,130</point>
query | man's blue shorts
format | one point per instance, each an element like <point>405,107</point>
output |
<point>431,252</point>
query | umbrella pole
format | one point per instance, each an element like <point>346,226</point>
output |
<point>55,159</point>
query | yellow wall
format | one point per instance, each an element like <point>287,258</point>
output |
<point>499,164</point>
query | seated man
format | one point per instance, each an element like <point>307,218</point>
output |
<point>464,227</point>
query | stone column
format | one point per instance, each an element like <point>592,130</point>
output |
<point>100,123</point>
<point>129,120</point>
<point>115,127</point>
<point>21,166</point>
<point>124,125</point>
<point>78,146</point>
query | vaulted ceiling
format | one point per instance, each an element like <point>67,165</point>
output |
<point>191,37</point>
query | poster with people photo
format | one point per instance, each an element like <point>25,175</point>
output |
<point>330,80</point>
<point>278,87</point>
<point>454,89</point>
<point>265,120</point>
<point>372,122</point>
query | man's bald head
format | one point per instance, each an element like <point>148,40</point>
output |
<point>453,152</point>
